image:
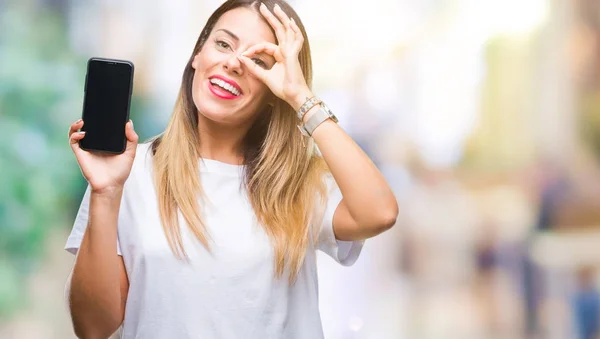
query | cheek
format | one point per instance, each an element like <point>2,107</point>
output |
<point>198,71</point>
<point>205,59</point>
<point>196,81</point>
<point>197,88</point>
<point>259,89</point>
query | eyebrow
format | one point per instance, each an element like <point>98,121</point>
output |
<point>235,37</point>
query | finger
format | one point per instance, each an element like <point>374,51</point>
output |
<point>130,132</point>
<point>283,18</point>
<point>274,22</point>
<point>285,21</point>
<point>132,137</point>
<point>266,47</point>
<point>75,137</point>
<point>75,126</point>
<point>298,37</point>
<point>290,34</point>
<point>255,69</point>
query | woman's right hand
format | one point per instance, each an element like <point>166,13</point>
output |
<point>105,172</point>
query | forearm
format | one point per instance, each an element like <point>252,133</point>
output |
<point>94,293</point>
<point>366,193</point>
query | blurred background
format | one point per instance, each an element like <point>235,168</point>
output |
<point>484,115</point>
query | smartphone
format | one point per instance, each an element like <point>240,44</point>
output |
<point>106,102</point>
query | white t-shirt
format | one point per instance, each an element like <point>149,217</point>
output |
<point>230,293</point>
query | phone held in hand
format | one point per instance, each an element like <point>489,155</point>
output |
<point>108,88</point>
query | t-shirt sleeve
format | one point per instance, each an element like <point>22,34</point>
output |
<point>344,252</point>
<point>80,224</point>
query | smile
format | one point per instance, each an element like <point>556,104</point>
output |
<point>222,84</point>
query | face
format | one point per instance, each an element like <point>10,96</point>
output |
<point>223,90</point>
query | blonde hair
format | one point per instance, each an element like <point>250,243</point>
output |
<point>283,174</point>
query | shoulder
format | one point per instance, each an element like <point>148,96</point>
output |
<point>143,155</point>
<point>144,149</point>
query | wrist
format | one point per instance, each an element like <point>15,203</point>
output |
<point>315,117</point>
<point>310,112</point>
<point>111,192</point>
<point>300,99</point>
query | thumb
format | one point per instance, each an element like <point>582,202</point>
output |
<point>255,69</point>
<point>132,137</point>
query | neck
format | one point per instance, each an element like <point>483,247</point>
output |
<point>221,142</point>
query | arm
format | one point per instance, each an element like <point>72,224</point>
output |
<point>97,287</point>
<point>368,206</point>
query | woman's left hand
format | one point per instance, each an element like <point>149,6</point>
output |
<point>285,78</point>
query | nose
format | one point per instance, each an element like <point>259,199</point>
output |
<point>234,65</point>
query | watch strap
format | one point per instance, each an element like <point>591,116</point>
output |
<point>317,119</point>
<point>310,103</point>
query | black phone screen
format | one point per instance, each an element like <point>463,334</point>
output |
<point>106,105</point>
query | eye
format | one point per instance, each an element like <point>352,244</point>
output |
<point>260,62</point>
<point>222,44</point>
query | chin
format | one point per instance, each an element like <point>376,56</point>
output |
<point>218,114</point>
<point>213,116</point>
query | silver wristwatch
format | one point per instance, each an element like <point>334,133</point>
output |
<point>310,103</point>
<point>322,114</point>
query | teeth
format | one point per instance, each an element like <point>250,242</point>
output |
<point>225,86</point>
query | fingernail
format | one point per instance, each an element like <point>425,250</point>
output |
<point>276,5</point>
<point>78,121</point>
<point>131,121</point>
<point>263,5</point>
<point>81,132</point>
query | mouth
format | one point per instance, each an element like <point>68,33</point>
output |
<point>224,88</point>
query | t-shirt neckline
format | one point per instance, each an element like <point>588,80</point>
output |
<point>215,166</point>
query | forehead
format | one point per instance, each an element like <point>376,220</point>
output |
<point>248,25</point>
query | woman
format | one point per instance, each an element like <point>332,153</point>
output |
<point>210,230</point>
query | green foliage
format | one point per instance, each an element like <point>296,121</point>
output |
<point>41,94</point>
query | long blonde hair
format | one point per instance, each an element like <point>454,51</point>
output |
<point>282,174</point>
